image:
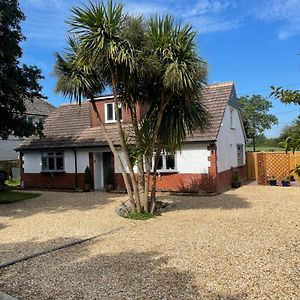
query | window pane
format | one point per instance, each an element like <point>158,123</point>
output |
<point>109,112</point>
<point>51,163</point>
<point>170,162</point>
<point>44,163</point>
<point>59,153</point>
<point>50,153</point>
<point>160,163</point>
<point>59,163</point>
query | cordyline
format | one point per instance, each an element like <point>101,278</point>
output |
<point>149,63</point>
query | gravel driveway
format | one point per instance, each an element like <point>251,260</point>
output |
<point>243,244</point>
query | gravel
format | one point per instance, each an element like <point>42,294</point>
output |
<point>243,244</point>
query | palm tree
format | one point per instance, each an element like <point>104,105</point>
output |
<point>158,66</point>
<point>84,82</point>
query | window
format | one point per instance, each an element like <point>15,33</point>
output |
<point>110,116</point>
<point>53,161</point>
<point>231,118</point>
<point>166,163</point>
<point>240,155</point>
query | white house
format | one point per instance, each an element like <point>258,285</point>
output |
<point>73,140</point>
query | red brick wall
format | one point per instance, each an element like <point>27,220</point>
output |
<point>101,108</point>
<point>56,181</point>
<point>212,182</point>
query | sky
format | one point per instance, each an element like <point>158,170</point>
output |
<point>254,43</point>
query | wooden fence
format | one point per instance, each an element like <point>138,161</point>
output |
<point>261,165</point>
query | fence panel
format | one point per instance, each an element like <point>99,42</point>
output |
<point>261,165</point>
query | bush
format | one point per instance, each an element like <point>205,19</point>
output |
<point>88,179</point>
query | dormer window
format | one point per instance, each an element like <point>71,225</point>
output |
<point>110,116</point>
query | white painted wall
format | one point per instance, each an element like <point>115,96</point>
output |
<point>192,159</point>
<point>228,139</point>
<point>32,161</point>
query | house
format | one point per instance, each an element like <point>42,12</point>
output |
<point>36,112</point>
<point>73,141</point>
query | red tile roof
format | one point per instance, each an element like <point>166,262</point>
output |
<point>69,125</point>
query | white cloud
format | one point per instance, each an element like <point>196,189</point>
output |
<point>284,12</point>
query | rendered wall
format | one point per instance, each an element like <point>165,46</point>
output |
<point>227,141</point>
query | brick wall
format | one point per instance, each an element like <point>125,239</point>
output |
<point>101,108</point>
<point>54,181</point>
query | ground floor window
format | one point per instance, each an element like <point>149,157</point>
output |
<point>166,163</point>
<point>240,155</point>
<point>52,161</point>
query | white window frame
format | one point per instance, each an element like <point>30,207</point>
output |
<point>164,161</point>
<point>114,120</point>
<point>45,155</point>
<point>240,148</point>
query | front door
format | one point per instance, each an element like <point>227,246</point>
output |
<point>106,164</point>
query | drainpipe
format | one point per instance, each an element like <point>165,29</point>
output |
<point>76,171</point>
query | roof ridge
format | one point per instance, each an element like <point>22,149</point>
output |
<point>220,84</point>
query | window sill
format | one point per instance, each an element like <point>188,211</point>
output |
<point>50,172</point>
<point>165,171</point>
<point>112,122</point>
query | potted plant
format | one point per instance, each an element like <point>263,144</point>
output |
<point>286,181</point>
<point>88,180</point>
<point>109,180</point>
<point>235,179</point>
<point>272,181</point>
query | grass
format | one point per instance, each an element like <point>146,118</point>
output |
<point>7,197</point>
<point>142,216</point>
<point>264,148</point>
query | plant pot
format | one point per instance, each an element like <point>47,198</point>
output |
<point>285,183</point>
<point>272,182</point>
<point>236,185</point>
<point>87,187</point>
<point>109,187</point>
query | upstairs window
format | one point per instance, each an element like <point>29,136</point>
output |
<point>231,118</point>
<point>110,116</point>
<point>53,161</point>
<point>240,155</point>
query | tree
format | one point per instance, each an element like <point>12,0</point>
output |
<point>290,136</point>
<point>151,63</point>
<point>256,116</point>
<point>16,82</point>
<point>286,96</point>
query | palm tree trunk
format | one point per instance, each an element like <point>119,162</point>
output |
<point>115,153</point>
<point>123,144</point>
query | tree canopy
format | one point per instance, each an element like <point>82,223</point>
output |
<point>16,82</point>
<point>256,116</point>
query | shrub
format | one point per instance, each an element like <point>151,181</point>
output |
<point>88,179</point>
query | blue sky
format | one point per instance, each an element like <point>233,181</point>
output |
<point>254,43</point>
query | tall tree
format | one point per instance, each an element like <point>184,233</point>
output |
<point>17,83</point>
<point>153,63</point>
<point>286,96</point>
<point>256,116</point>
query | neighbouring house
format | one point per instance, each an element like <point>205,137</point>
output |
<point>73,140</point>
<point>36,112</point>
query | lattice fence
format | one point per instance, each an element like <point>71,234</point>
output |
<point>275,164</point>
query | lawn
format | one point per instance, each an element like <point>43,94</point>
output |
<point>7,197</point>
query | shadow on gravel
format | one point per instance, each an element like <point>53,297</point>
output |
<point>222,201</point>
<point>57,202</point>
<point>70,274</point>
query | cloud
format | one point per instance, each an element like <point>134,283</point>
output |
<point>284,12</point>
